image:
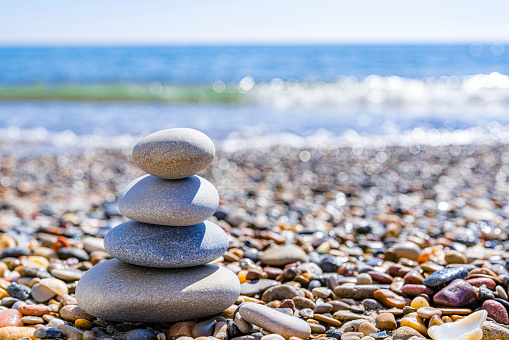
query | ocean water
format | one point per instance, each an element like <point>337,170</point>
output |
<point>255,94</point>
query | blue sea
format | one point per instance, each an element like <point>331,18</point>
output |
<point>253,95</point>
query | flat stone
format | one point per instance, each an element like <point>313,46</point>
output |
<point>118,291</point>
<point>181,202</point>
<point>157,246</point>
<point>274,321</point>
<point>256,287</point>
<point>444,276</point>
<point>358,292</point>
<point>281,292</point>
<point>282,255</point>
<point>174,153</point>
<point>345,315</point>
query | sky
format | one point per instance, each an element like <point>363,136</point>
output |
<point>147,22</point>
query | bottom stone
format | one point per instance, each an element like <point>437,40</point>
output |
<point>118,291</point>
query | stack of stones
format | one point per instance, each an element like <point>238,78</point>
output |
<point>160,272</point>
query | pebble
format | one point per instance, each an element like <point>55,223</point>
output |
<point>45,332</point>
<point>257,287</point>
<point>15,333</point>
<point>455,257</point>
<point>136,334</point>
<point>182,202</point>
<point>162,246</point>
<point>358,292</point>
<point>273,321</point>
<point>496,311</point>
<point>458,293</point>
<point>282,255</point>
<point>386,321</point>
<point>184,328</point>
<point>18,291</point>
<point>174,153</point>
<point>344,315</point>
<point>113,290</point>
<point>327,319</point>
<point>73,313</point>
<point>428,312</point>
<point>367,328</point>
<point>281,292</point>
<point>407,250</point>
<point>34,310</point>
<point>390,299</point>
<point>364,279</point>
<point>405,333</point>
<point>493,331</point>
<point>444,276</point>
<point>67,253</point>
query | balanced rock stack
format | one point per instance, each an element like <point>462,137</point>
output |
<point>160,271</point>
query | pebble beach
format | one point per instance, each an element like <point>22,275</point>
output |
<point>345,243</point>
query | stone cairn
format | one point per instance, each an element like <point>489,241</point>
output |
<point>160,272</point>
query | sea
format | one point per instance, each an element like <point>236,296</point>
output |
<point>255,96</point>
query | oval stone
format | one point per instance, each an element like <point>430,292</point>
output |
<point>174,153</point>
<point>166,247</point>
<point>118,291</point>
<point>181,202</point>
<point>444,276</point>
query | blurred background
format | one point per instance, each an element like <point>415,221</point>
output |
<point>75,75</point>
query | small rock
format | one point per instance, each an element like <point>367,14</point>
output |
<point>386,321</point>
<point>455,257</point>
<point>367,328</point>
<point>44,332</point>
<point>407,250</point>
<point>257,287</point>
<point>444,276</point>
<point>282,255</point>
<point>18,291</point>
<point>458,293</point>
<point>405,333</point>
<point>281,292</point>
<point>496,311</point>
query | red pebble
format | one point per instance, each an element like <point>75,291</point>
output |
<point>10,317</point>
<point>288,304</point>
<point>479,281</point>
<point>496,311</point>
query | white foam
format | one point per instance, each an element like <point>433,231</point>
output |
<point>486,93</point>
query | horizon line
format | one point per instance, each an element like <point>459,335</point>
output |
<point>260,43</point>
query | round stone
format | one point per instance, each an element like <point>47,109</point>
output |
<point>166,247</point>
<point>181,202</point>
<point>118,291</point>
<point>174,153</point>
<point>282,255</point>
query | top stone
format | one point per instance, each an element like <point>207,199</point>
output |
<point>174,153</point>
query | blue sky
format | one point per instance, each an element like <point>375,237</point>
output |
<point>126,22</point>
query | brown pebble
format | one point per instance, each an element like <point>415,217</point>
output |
<point>428,312</point>
<point>386,321</point>
<point>82,323</point>
<point>367,328</point>
<point>327,319</point>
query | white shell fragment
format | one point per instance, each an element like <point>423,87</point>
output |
<point>468,328</point>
